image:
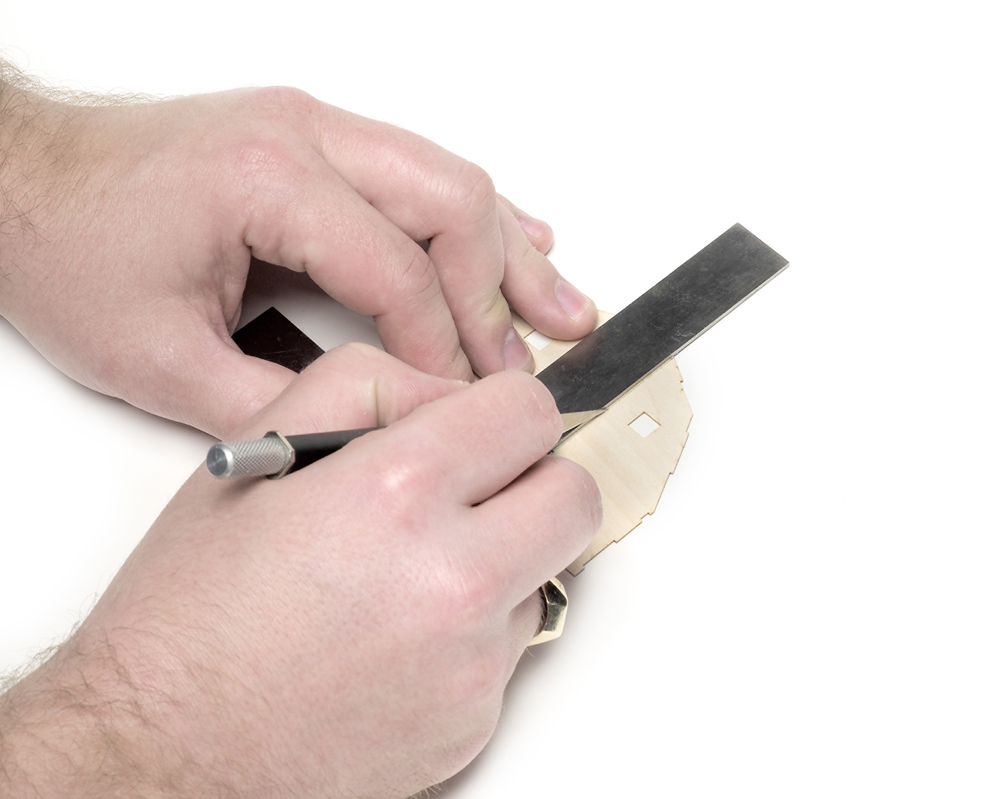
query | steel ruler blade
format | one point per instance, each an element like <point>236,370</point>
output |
<point>662,322</point>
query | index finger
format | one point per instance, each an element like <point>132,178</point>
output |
<point>352,386</point>
<point>432,194</point>
<point>484,437</point>
<point>465,447</point>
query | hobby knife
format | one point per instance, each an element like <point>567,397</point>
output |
<point>599,369</point>
<point>276,455</point>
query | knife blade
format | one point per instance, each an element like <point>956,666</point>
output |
<point>654,328</point>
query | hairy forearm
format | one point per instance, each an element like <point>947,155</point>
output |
<point>21,111</point>
<point>22,152</point>
<point>59,729</point>
<point>13,86</point>
<point>39,155</point>
<point>82,725</point>
<point>15,103</point>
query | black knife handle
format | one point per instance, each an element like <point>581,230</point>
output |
<point>310,447</point>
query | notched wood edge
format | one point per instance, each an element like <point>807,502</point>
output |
<point>631,471</point>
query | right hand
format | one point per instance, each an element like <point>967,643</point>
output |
<point>347,630</point>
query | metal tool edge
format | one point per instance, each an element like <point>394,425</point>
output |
<point>768,263</point>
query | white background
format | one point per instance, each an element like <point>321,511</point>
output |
<point>814,610</point>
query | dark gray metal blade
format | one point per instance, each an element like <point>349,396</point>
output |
<point>662,322</point>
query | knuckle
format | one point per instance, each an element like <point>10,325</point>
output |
<point>395,479</point>
<point>482,680</point>
<point>354,361</point>
<point>526,253</point>
<point>264,161</point>
<point>262,149</point>
<point>464,599</point>
<point>355,358</point>
<point>400,486</point>
<point>283,100</point>
<point>493,305</point>
<point>417,286</point>
<point>473,193</point>
<point>417,279</point>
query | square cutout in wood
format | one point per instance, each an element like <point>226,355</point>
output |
<point>538,340</point>
<point>644,424</point>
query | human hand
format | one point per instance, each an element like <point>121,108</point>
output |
<point>128,232</point>
<point>347,630</point>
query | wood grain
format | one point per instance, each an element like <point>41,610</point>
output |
<point>630,470</point>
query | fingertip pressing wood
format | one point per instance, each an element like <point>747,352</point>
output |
<point>631,449</point>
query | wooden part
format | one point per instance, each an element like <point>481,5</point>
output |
<point>631,470</point>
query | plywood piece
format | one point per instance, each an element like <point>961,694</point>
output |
<point>630,470</point>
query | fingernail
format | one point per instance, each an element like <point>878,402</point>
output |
<point>530,225</point>
<point>515,353</point>
<point>571,300</point>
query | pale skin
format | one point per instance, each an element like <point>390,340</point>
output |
<point>348,630</point>
<point>128,232</point>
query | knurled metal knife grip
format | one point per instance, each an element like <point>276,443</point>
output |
<point>275,455</point>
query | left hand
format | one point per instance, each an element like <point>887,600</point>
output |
<point>127,234</point>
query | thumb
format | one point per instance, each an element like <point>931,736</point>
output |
<point>213,387</point>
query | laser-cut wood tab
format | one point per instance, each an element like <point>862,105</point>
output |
<point>631,470</point>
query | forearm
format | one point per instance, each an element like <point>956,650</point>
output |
<point>18,108</point>
<point>37,157</point>
<point>86,725</point>
<point>59,731</point>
